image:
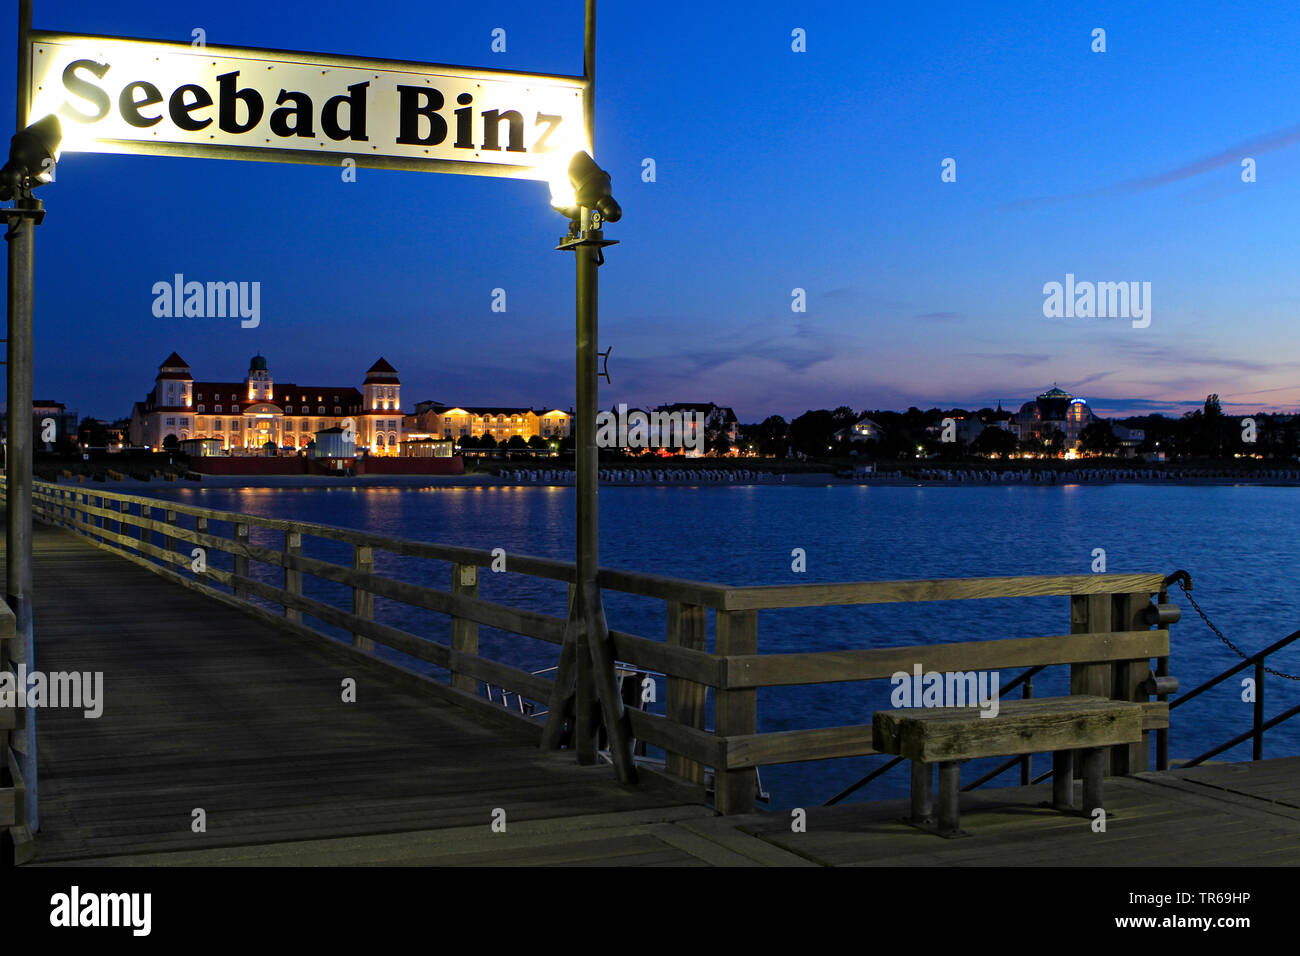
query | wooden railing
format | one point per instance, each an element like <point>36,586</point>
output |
<point>12,791</point>
<point>1109,649</point>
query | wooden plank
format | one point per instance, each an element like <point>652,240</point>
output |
<point>241,562</point>
<point>689,662</point>
<point>1128,613</point>
<point>464,634</point>
<point>1023,726</point>
<point>686,702</point>
<point>735,712</point>
<point>1155,715</point>
<point>664,588</point>
<point>363,599</point>
<point>944,589</point>
<point>1091,613</point>
<point>292,580</point>
<point>770,670</point>
<point>796,746</point>
<point>696,745</point>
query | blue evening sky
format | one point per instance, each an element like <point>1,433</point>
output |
<point>776,170</point>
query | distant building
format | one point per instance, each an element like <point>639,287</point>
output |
<point>1129,439</point>
<point>52,422</point>
<point>200,447</point>
<point>501,422</point>
<point>1053,410</point>
<point>334,443</point>
<point>864,429</point>
<point>245,415</point>
<point>718,419</point>
<point>427,448</point>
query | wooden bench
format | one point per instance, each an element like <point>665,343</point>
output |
<point>947,736</point>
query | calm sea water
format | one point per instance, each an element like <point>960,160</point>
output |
<point>1241,545</point>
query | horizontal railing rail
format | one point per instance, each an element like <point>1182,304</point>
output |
<point>1109,648</point>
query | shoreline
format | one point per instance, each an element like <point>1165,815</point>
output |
<point>777,479</point>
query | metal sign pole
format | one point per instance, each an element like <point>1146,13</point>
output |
<point>586,637</point>
<point>22,221</point>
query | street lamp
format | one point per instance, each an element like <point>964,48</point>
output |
<point>582,193</point>
<point>32,154</point>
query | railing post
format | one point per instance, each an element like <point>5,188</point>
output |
<point>146,534</point>
<point>363,601</point>
<point>241,560</point>
<point>464,634</point>
<point>1129,613</point>
<point>292,576</point>
<point>1090,614</point>
<point>200,527</point>
<point>1027,761</point>
<point>170,542</point>
<point>1257,744</point>
<point>735,712</point>
<point>687,625</point>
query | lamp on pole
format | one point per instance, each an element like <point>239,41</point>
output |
<point>586,666</point>
<point>32,155</point>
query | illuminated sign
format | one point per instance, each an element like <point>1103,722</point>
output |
<point>116,95</point>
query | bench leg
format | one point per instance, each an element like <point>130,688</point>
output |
<point>922,793</point>
<point>1063,780</point>
<point>1093,760</point>
<point>949,785</point>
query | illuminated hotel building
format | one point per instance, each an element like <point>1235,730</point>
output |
<point>1054,410</point>
<point>245,415</point>
<point>501,422</point>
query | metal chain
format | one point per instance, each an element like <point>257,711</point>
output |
<point>1210,624</point>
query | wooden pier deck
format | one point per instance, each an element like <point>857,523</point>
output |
<point>208,708</point>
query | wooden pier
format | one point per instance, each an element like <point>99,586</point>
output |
<point>216,705</point>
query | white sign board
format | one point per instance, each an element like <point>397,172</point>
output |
<point>116,95</point>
